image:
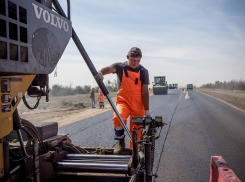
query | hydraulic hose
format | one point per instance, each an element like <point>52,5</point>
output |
<point>35,133</point>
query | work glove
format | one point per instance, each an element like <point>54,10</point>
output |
<point>99,77</point>
<point>147,114</point>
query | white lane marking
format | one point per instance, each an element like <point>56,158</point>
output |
<point>180,96</point>
<point>187,95</point>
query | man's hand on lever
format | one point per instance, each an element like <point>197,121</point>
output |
<point>147,114</point>
<point>99,77</point>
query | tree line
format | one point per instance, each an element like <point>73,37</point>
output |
<point>227,85</point>
<point>60,90</point>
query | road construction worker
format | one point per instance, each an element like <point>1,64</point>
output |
<point>133,95</point>
<point>101,98</point>
<point>92,97</point>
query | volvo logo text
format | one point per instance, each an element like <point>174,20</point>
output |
<point>50,18</point>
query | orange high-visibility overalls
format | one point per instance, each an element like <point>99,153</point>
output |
<point>101,98</point>
<point>129,99</point>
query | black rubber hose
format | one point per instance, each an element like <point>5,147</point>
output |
<point>16,120</point>
<point>34,130</point>
<point>28,106</point>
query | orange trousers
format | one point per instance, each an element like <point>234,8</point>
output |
<point>125,111</point>
<point>129,100</point>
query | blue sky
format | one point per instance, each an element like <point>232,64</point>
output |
<point>188,41</point>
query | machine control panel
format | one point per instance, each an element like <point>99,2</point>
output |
<point>5,85</point>
<point>5,95</point>
<point>5,98</point>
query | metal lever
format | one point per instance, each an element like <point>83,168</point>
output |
<point>68,10</point>
<point>92,68</point>
<point>135,148</point>
<point>17,126</point>
<point>140,141</point>
<point>47,89</point>
<point>148,162</point>
<point>156,175</point>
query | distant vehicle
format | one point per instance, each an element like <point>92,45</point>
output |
<point>160,86</point>
<point>170,86</point>
<point>189,86</point>
<point>175,85</point>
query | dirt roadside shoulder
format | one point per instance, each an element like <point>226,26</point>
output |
<point>65,117</point>
<point>235,99</point>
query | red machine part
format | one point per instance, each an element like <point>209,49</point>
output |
<point>220,171</point>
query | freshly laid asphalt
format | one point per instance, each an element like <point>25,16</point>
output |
<point>197,128</point>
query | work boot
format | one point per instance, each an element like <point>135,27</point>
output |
<point>121,150</point>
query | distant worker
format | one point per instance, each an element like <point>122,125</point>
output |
<point>101,98</point>
<point>92,97</point>
<point>132,97</point>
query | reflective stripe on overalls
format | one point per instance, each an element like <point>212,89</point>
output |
<point>129,99</point>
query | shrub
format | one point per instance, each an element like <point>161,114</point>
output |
<point>230,85</point>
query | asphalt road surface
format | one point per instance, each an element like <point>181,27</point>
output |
<point>197,128</point>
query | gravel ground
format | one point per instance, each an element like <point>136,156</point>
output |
<point>175,156</point>
<point>163,106</point>
<point>97,131</point>
<point>202,126</point>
